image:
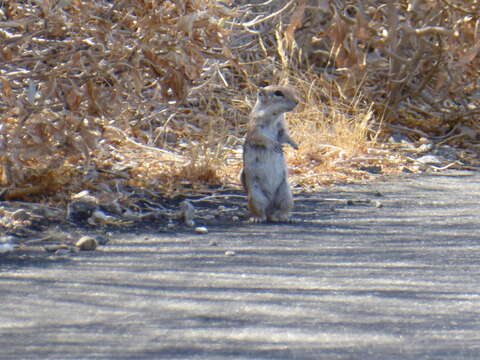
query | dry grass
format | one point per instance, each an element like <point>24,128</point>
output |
<point>117,96</point>
<point>338,138</point>
<point>85,86</point>
<point>328,134</point>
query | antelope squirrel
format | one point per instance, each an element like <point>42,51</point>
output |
<point>265,176</point>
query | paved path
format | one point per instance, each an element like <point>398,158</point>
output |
<point>358,281</point>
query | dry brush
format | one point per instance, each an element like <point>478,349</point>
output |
<point>102,94</point>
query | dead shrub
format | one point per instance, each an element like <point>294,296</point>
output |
<point>104,95</point>
<point>72,70</point>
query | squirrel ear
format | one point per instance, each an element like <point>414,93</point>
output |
<point>262,91</point>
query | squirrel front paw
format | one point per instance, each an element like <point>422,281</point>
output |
<point>277,147</point>
<point>294,145</point>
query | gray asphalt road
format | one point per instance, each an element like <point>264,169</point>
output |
<point>354,281</point>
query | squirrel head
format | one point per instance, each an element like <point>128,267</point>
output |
<point>275,100</point>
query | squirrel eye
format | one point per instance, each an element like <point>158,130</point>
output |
<point>278,93</point>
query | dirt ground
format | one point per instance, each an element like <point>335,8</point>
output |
<point>380,271</point>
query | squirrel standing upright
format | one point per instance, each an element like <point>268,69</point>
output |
<point>265,173</point>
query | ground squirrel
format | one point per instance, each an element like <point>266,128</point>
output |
<point>264,175</point>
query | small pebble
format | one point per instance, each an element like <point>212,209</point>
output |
<point>87,243</point>
<point>424,148</point>
<point>55,247</point>
<point>201,230</point>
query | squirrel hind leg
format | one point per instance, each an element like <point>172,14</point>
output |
<point>282,204</point>
<point>257,204</point>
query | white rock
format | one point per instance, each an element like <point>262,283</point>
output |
<point>424,148</point>
<point>6,247</point>
<point>201,230</point>
<point>100,218</point>
<point>87,243</point>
